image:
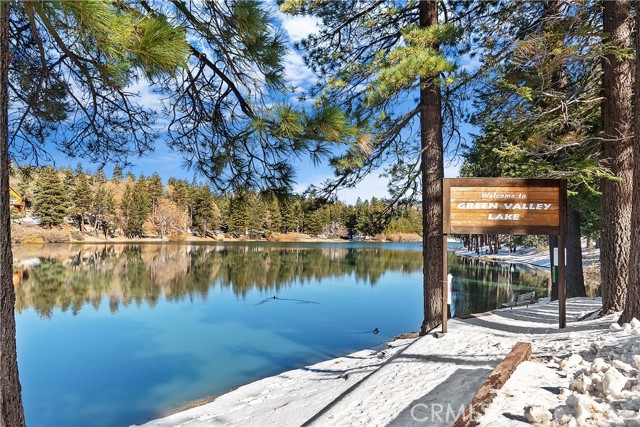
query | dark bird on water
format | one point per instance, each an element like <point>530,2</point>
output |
<point>375,331</point>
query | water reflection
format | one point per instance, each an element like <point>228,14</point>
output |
<point>69,277</point>
<point>480,285</point>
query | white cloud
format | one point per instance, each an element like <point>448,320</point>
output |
<point>468,63</point>
<point>146,96</point>
<point>296,72</point>
<point>298,27</point>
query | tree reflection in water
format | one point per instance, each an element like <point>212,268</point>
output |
<point>69,277</point>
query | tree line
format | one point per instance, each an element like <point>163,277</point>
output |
<point>145,206</point>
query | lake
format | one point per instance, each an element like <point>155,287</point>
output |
<point>120,334</point>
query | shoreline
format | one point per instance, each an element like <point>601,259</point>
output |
<point>381,388</point>
<point>38,235</point>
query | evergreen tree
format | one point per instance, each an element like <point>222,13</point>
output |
<point>136,206</point>
<point>239,215</point>
<point>274,217</point>
<point>223,203</point>
<point>220,106</point>
<point>81,199</point>
<point>205,213</point>
<point>26,177</point>
<point>50,197</point>
<point>632,303</point>
<point>69,182</point>
<point>117,174</point>
<point>291,215</point>
<point>181,193</point>
<point>126,206</point>
<point>547,60</point>
<point>103,210</point>
<point>258,215</point>
<point>314,223</point>
<point>155,189</point>
<point>617,132</point>
<point>371,58</point>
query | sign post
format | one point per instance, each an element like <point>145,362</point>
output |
<point>507,206</point>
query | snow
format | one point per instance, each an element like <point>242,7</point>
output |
<point>574,373</point>
<point>536,414</point>
<point>592,380</point>
<point>531,256</point>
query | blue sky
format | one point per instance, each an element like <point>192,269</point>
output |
<point>170,164</point>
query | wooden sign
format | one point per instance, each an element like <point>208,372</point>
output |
<point>504,206</point>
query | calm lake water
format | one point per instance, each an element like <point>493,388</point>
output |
<point>119,334</point>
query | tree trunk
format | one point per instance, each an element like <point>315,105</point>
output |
<point>11,413</point>
<point>632,305</point>
<point>432,167</point>
<point>617,152</point>
<point>575,274</point>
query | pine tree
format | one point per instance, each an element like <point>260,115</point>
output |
<point>103,209</point>
<point>258,215</point>
<point>141,207</point>
<point>181,193</point>
<point>239,215</point>
<point>155,189</point>
<point>50,198</point>
<point>81,200</point>
<point>370,59</point>
<point>632,303</point>
<point>291,215</point>
<point>242,66</point>
<point>313,223</point>
<point>126,206</point>
<point>617,129</point>
<point>274,217</point>
<point>136,206</point>
<point>545,62</point>
<point>117,174</point>
<point>205,213</point>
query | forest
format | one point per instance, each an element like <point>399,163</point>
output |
<point>145,207</point>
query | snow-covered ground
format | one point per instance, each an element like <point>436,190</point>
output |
<point>589,380</point>
<point>534,256</point>
<point>427,381</point>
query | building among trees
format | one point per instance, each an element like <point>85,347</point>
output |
<point>17,203</point>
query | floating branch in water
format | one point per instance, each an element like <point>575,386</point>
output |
<point>299,301</point>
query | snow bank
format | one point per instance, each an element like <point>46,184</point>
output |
<point>605,390</point>
<point>590,380</point>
